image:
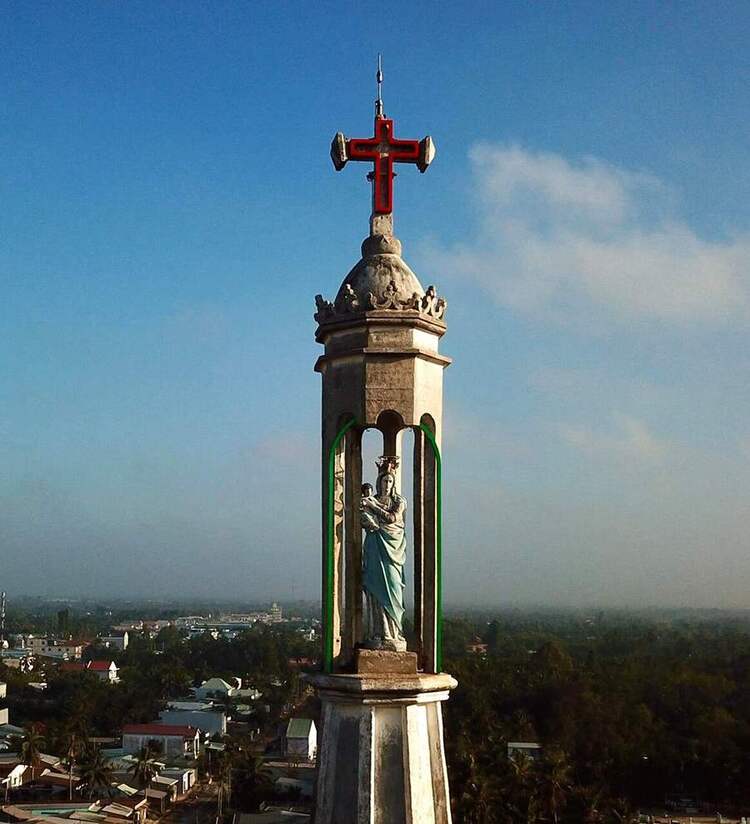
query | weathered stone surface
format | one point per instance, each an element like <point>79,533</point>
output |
<point>381,758</point>
<point>384,662</point>
<point>374,275</point>
<point>391,687</point>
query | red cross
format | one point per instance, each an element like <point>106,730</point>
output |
<point>383,150</point>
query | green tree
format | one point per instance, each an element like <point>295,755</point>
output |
<point>96,772</point>
<point>223,785</point>
<point>554,775</point>
<point>31,748</point>
<point>144,769</point>
<point>252,780</point>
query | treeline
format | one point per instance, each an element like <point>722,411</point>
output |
<point>629,711</point>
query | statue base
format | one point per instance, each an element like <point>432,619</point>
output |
<point>381,758</point>
<point>384,662</point>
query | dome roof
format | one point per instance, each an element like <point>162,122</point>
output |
<point>381,265</point>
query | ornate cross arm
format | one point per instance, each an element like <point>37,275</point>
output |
<point>382,150</point>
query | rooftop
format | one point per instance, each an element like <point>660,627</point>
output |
<point>160,730</point>
<point>299,727</point>
<point>100,666</point>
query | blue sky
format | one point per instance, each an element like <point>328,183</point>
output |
<point>170,210</point>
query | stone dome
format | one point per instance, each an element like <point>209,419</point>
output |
<point>380,265</point>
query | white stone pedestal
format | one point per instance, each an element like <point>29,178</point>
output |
<point>381,758</point>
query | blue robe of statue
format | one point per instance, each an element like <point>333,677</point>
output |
<point>384,555</point>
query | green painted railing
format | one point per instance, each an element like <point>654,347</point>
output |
<point>329,558</point>
<point>438,548</point>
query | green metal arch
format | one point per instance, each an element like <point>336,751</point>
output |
<point>329,560</point>
<point>438,546</point>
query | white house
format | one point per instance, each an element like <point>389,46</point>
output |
<point>218,686</point>
<point>104,671</point>
<point>14,779</point>
<point>175,742</point>
<point>301,738</point>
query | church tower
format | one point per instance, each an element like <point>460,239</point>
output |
<point>381,755</point>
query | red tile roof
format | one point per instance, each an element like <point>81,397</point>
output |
<point>100,666</point>
<point>159,729</point>
<point>72,666</point>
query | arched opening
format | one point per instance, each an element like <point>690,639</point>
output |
<point>353,463</point>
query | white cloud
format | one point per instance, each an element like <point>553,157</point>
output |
<point>630,439</point>
<point>574,239</point>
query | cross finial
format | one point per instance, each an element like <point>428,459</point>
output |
<point>383,150</point>
<point>379,79</point>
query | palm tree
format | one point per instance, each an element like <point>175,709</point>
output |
<point>224,785</point>
<point>144,768</point>
<point>96,771</point>
<point>72,753</point>
<point>554,779</point>
<point>589,799</point>
<point>254,779</point>
<point>620,811</point>
<point>32,747</point>
<point>76,739</point>
<point>527,790</point>
<point>480,798</point>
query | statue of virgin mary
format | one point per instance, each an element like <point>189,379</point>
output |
<point>384,555</point>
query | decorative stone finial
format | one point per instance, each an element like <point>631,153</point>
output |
<point>380,245</point>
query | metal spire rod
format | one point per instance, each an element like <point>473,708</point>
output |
<point>379,79</point>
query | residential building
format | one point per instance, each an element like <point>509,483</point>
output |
<point>200,715</point>
<point>169,784</point>
<point>176,742</point>
<point>72,666</point>
<point>128,626</point>
<point>12,776</point>
<point>18,659</point>
<point>218,687</point>
<point>248,694</point>
<point>157,801</point>
<point>105,671</point>
<point>186,778</point>
<point>528,748</point>
<point>57,648</point>
<point>301,738</point>
<point>117,639</point>
<point>127,808</point>
<point>3,703</point>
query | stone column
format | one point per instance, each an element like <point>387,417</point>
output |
<point>381,755</point>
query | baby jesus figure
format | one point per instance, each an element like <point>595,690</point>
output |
<point>367,518</point>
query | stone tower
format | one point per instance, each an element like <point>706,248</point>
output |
<point>381,756</point>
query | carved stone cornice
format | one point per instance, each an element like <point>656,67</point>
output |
<point>390,299</point>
